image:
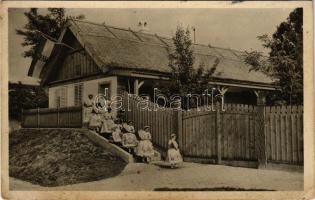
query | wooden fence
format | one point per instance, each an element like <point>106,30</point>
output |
<point>229,135</point>
<point>284,134</point>
<point>68,117</point>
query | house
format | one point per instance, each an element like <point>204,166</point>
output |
<point>94,57</point>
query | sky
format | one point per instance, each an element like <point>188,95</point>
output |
<point>236,28</point>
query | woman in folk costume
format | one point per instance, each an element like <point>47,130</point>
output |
<point>129,139</point>
<point>145,147</point>
<point>88,107</point>
<point>95,121</point>
<point>173,154</point>
<point>107,121</point>
<point>117,134</point>
<point>128,127</point>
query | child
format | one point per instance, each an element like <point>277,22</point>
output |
<point>128,127</point>
<point>107,122</point>
<point>129,141</point>
<point>95,121</point>
<point>173,154</point>
<point>117,134</point>
<point>145,147</point>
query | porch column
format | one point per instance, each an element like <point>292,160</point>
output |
<point>218,121</point>
<point>222,91</point>
<point>136,86</point>
<point>260,146</point>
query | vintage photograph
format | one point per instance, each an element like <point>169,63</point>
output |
<point>155,99</point>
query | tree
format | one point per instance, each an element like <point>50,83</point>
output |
<point>285,61</point>
<point>26,97</point>
<point>185,79</point>
<point>50,24</point>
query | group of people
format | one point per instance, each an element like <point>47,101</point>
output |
<point>124,134</point>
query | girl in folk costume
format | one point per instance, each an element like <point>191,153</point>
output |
<point>128,127</point>
<point>173,154</point>
<point>117,134</point>
<point>95,121</point>
<point>107,121</point>
<point>88,107</point>
<point>145,147</point>
<point>129,139</point>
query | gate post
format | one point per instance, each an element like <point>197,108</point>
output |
<point>260,146</point>
<point>179,130</point>
<point>218,132</point>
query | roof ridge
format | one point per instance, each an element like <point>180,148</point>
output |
<point>101,24</point>
<point>152,34</point>
<point>161,38</point>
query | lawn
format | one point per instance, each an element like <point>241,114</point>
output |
<point>55,157</point>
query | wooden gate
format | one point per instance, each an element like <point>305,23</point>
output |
<point>198,138</point>
<point>238,132</point>
<point>229,134</point>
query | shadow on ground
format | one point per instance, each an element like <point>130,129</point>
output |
<point>209,189</point>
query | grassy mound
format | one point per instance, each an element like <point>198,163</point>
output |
<point>51,157</point>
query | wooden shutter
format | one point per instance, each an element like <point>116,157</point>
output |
<point>63,96</point>
<point>78,93</point>
<point>57,97</point>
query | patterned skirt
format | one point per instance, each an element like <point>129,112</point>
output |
<point>95,121</point>
<point>174,157</point>
<point>116,136</point>
<point>129,140</point>
<point>145,149</point>
<point>107,126</point>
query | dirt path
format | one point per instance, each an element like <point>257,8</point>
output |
<point>140,176</point>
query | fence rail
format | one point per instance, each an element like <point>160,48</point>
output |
<point>68,117</point>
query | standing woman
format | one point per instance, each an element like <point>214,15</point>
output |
<point>88,107</point>
<point>173,154</point>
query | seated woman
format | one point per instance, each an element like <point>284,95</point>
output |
<point>107,123</point>
<point>145,147</point>
<point>173,154</point>
<point>117,134</point>
<point>129,139</point>
<point>95,121</point>
<point>128,127</point>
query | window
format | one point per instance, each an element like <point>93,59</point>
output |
<point>78,93</point>
<point>104,89</point>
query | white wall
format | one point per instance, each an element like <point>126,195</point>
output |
<point>89,87</point>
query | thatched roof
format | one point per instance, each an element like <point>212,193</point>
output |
<point>126,48</point>
<point>113,47</point>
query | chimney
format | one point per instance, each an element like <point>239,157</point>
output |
<point>194,30</point>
